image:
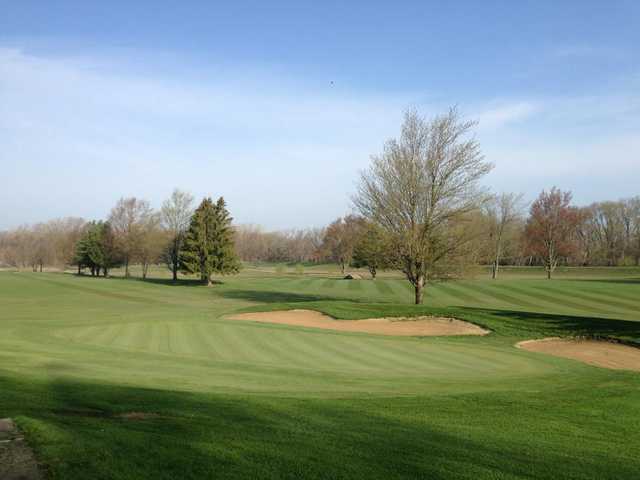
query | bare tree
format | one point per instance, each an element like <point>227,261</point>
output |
<point>152,242</point>
<point>176,213</point>
<point>503,213</point>
<point>126,220</point>
<point>421,188</point>
<point>551,228</point>
<point>340,239</point>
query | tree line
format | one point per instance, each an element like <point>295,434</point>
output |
<point>419,208</point>
<point>186,239</point>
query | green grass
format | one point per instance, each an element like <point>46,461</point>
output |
<point>248,400</point>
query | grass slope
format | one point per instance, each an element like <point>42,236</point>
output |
<point>240,399</point>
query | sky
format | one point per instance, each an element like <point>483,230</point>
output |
<point>278,105</point>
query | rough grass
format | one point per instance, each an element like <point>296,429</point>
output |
<point>252,400</point>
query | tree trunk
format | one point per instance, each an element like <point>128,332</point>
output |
<point>496,263</point>
<point>79,269</point>
<point>373,272</point>
<point>548,273</point>
<point>419,286</point>
<point>106,272</point>
<point>126,267</point>
<point>175,272</point>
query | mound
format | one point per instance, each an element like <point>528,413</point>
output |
<point>353,276</point>
<point>594,352</point>
<point>401,326</point>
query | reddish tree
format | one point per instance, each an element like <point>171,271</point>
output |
<point>551,227</point>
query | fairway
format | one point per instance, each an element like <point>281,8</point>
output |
<point>241,399</point>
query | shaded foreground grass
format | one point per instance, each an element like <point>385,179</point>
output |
<point>76,429</point>
<point>242,400</point>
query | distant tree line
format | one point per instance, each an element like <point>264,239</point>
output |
<point>506,233</point>
<point>191,241</point>
<point>254,244</point>
<point>419,208</point>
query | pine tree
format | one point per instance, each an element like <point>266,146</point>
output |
<point>208,245</point>
<point>97,249</point>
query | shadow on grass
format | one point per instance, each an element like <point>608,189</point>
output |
<point>181,282</point>
<point>509,321</point>
<point>626,281</point>
<point>78,431</point>
<point>266,296</point>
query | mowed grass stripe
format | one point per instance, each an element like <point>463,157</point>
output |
<point>268,345</point>
<point>557,302</point>
<point>604,299</point>
<point>125,338</point>
<point>329,283</point>
<point>613,290</point>
<point>296,350</point>
<point>440,296</point>
<point>565,298</point>
<point>496,291</point>
<point>463,296</point>
<point>204,345</point>
<point>487,296</point>
<point>448,358</point>
<point>306,282</point>
<point>383,287</point>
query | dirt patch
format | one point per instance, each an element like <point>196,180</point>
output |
<point>16,458</point>
<point>401,326</point>
<point>594,352</point>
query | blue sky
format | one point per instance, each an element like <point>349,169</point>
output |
<point>278,105</point>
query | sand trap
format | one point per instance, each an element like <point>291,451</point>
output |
<point>414,326</point>
<point>594,352</point>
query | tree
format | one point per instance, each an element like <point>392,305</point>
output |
<point>340,239</point>
<point>208,244</point>
<point>97,249</point>
<point>609,222</point>
<point>176,213</point>
<point>126,219</point>
<point>152,242</point>
<point>372,250</point>
<point>421,189</point>
<point>503,213</point>
<point>551,228</point>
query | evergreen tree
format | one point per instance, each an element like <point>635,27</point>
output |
<point>208,244</point>
<point>97,249</point>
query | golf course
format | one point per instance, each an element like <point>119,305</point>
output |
<point>132,379</point>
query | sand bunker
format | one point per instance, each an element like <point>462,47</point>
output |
<point>594,352</point>
<point>414,326</point>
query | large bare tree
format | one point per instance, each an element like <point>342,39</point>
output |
<point>421,189</point>
<point>176,214</point>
